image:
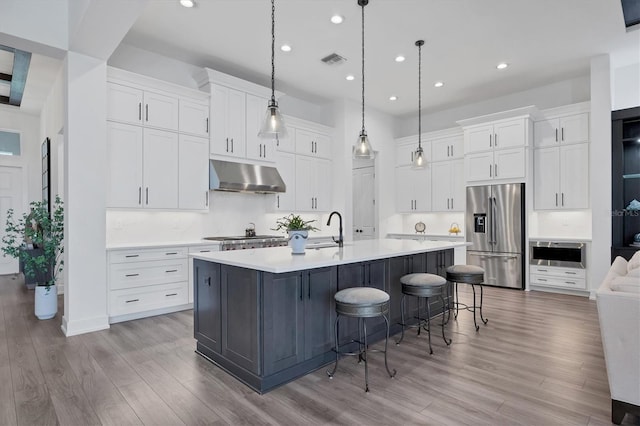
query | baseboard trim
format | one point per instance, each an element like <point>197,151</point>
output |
<point>161,311</point>
<point>73,328</point>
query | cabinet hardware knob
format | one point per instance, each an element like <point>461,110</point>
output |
<point>205,251</point>
<point>171,294</point>
<point>171,253</point>
<point>132,255</point>
<point>132,275</point>
<point>132,300</point>
<point>171,270</point>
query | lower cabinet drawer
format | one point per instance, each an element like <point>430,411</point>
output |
<point>147,298</point>
<point>139,274</point>
<point>555,281</point>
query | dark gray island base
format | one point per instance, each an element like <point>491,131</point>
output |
<point>267,329</point>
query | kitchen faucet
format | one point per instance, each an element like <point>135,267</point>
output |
<point>340,240</point>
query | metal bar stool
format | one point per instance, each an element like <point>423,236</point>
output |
<point>423,286</point>
<point>472,275</point>
<point>361,303</point>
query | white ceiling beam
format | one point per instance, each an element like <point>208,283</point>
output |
<point>96,27</point>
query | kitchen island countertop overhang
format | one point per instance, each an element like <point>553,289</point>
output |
<point>280,260</point>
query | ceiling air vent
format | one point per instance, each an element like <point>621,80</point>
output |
<point>333,59</point>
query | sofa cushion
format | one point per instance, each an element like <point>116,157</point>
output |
<point>619,266</point>
<point>634,262</point>
<point>626,284</point>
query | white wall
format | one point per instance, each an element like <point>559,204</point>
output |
<point>552,95</point>
<point>626,86</point>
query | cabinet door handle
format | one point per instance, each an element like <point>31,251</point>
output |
<point>490,171</point>
<point>131,275</point>
<point>260,150</point>
<point>556,199</point>
<point>209,281</point>
<point>490,144</point>
<point>311,203</point>
<point>171,270</point>
<point>206,197</point>
<point>447,203</point>
<point>412,156</point>
<point>562,198</point>
<point>495,171</point>
<point>542,279</point>
<point>139,111</point>
<point>570,282</point>
<point>207,125</point>
<point>132,300</point>
<point>231,144</point>
<point>452,150</point>
<point>205,251</point>
<point>132,255</point>
<point>556,135</point>
<point>448,148</point>
<point>451,203</point>
<point>147,195</point>
<point>312,147</point>
<point>171,294</point>
<point>277,141</point>
<point>146,112</point>
<point>139,195</point>
<point>495,140</point>
<point>171,253</point>
<point>570,273</point>
<point>562,133</point>
<point>227,139</point>
<point>277,201</point>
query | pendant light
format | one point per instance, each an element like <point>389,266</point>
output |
<point>419,160</point>
<point>362,149</point>
<point>273,124</point>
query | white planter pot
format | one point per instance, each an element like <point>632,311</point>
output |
<point>298,241</point>
<point>46,303</point>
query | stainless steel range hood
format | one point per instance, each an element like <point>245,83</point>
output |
<point>241,177</point>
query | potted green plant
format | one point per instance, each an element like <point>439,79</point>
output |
<point>44,231</point>
<point>298,230</point>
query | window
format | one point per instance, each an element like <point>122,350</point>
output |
<point>9,143</point>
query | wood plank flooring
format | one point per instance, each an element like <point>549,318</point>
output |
<point>538,361</point>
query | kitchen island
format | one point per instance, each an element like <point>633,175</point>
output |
<point>267,316</point>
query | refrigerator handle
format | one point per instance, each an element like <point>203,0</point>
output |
<point>494,212</point>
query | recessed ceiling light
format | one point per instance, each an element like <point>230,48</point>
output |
<point>438,84</point>
<point>187,3</point>
<point>337,19</point>
<point>350,77</point>
<point>502,65</point>
<point>285,48</point>
<point>400,58</point>
<point>393,98</point>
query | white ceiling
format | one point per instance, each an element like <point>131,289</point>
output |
<point>542,40</point>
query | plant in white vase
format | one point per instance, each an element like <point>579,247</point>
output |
<point>45,231</point>
<point>298,230</point>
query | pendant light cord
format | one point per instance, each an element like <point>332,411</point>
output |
<point>273,50</point>
<point>419,95</point>
<point>363,4</point>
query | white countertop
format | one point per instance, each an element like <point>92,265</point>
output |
<point>561,239</point>
<point>416,236</point>
<point>280,259</point>
<point>161,244</point>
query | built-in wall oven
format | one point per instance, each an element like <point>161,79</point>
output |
<point>563,254</point>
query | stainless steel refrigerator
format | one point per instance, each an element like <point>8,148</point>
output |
<point>495,228</point>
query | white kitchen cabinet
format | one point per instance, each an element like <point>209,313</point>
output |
<point>413,190</point>
<point>313,184</point>
<point>561,177</point>
<point>553,276</point>
<point>124,165</point>
<point>287,143</point>
<point>406,150</point>
<point>448,188</point>
<point>286,165</point>
<point>312,143</point>
<point>497,135</point>
<point>228,122</point>
<point>143,167</point>
<point>569,129</point>
<point>194,118</point>
<point>493,165</point>
<point>144,282</point>
<point>124,104</point>
<point>257,148</point>
<point>448,148</point>
<point>193,173</point>
<point>160,169</point>
<point>161,111</point>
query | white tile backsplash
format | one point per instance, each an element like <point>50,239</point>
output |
<point>568,224</point>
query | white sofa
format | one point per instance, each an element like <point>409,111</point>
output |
<point>618,302</point>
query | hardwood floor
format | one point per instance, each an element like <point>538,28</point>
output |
<point>538,361</point>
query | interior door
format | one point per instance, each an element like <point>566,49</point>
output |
<point>363,203</point>
<point>10,198</point>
